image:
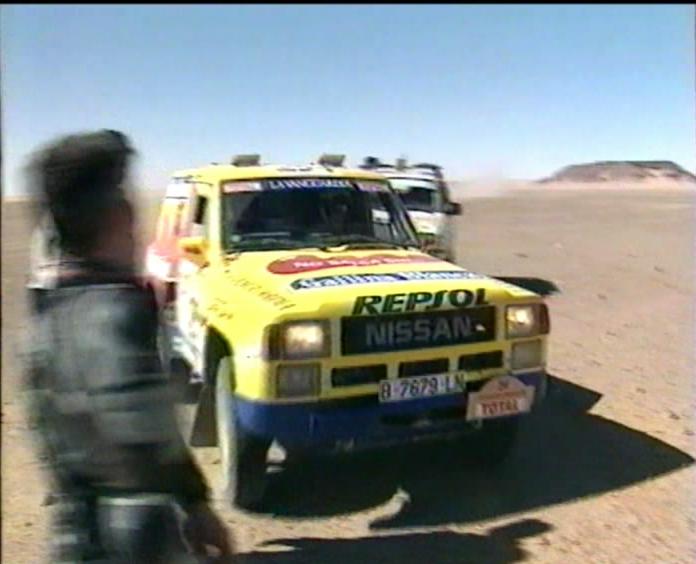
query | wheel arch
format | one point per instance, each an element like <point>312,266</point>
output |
<point>204,432</point>
<point>217,346</point>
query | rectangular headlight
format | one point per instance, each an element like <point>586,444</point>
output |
<point>526,320</point>
<point>297,340</point>
<point>297,380</point>
<point>526,355</point>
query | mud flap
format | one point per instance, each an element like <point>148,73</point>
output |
<point>204,432</point>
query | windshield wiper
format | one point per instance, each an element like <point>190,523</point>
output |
<point>263,242</point>
<point>358,242</point>
<point>326,243</point>
<point>278,240</point>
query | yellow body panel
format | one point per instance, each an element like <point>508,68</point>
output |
<point>214,174</point>
<point>241,295</point>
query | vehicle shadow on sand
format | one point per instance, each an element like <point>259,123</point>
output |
<point>499,546</point>
<point>563,453</point>
<point>539,286</point>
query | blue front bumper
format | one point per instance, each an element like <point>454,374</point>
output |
<point>362,422</point>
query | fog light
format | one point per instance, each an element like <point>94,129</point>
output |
<point>526,355</point>
<point>295,380</point>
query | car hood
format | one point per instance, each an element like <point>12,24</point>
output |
<point>338,283</point>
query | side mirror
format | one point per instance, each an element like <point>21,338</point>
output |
<point>453,208</point>
<point>194,249</point>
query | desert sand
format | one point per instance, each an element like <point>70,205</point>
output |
<point>603,474</point>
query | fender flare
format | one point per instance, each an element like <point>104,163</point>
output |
<point>204,432</point>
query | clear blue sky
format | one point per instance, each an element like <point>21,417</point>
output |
<point>515,91</point>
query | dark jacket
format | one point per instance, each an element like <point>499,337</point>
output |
<point>101,400</point>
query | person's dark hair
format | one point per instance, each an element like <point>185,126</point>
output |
<point>77,179</point>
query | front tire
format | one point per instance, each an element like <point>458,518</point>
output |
<point>242,456</point>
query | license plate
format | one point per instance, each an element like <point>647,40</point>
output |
<point>417,387</point>
<point>500,397</point>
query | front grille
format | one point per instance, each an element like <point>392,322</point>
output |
<point>358,375</point>
<point>423,367</point>
<point>481,361</point>
<point>387,333</point>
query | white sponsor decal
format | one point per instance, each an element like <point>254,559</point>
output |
<point>304,183</point>
<point>381,216</point>
<point>245,186</point>
<point>368,186</point>
<point>353,279</point>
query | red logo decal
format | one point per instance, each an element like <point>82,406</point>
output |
<point>309,263</point>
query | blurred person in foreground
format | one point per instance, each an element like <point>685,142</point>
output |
<point>44,256</point>
<point>126,486</point>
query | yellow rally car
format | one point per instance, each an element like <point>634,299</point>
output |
<point>303,304</point>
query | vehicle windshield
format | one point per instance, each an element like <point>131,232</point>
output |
<point>416,194</point>
<point>313,212</point>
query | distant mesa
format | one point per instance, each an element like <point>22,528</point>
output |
<point>626,171</point>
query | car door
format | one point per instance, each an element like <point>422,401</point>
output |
<point>448,223</point>
<point>191,283</point>
<point>162,254</point>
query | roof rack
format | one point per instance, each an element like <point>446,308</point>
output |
<point>373,163</point>
<point>332,160</point>
<point>246,160</point>
<point>428,165</point>
<point>435,169</point>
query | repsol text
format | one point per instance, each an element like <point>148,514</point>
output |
<point>400,303</point>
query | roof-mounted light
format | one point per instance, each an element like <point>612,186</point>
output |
<point>246,160</point>
<point>332,160</point>
<point>370,163</point>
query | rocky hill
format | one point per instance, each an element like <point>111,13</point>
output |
<point>627,171</point>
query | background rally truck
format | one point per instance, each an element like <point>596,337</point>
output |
<point>305,306</point>
<point>425,194</point>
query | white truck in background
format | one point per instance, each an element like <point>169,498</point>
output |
<point>425,193</point>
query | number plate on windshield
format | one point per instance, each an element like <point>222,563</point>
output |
<point>418,387</point>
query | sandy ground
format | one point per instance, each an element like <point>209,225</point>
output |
<point>604,474</point>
